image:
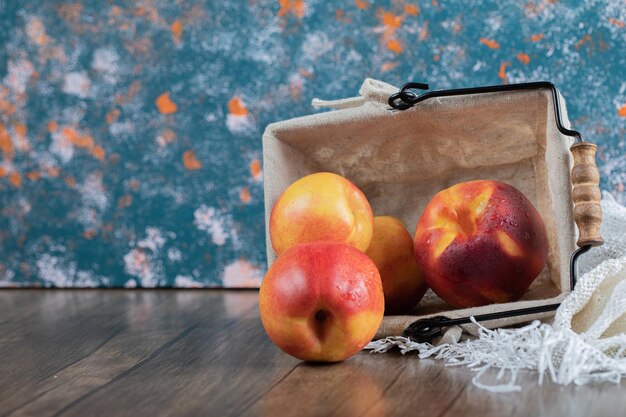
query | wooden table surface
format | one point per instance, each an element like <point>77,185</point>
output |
<point>204,353</point>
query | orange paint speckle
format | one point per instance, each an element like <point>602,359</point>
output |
<point>295,7</point>
<point>411,9</point>
<point>6,106</point>
<point>436,57</point>
<point>391,22</point>
<point>306,73</point>
<point>134,88</point>
<point>177,31</point>
<point>190,161</point>
<point>340,16</point>
<point>388,66</point>
<point>112,116</point>
<point>72,137</point>
<point>6,144</point>
<point>80,141</point>
<point>168,136</point>
<point>70,11</point>
<point>70,181</point>
<point>20,129</point>
<point>361,4</point>
<point>537,37</point>
<point>165,105</point>
<point>523,58</point>
<point>255,169</point>
<point>490,43</point>
<point>3,172</point>
<point>583,40</point>
<point>125,201</point>
<point>52,172</point>
<point>52,126</point>
<point>33,175</point>
<point>617,23</point>
<point>89,234</point>
<point>236,107</point>
<point>622,111</point>
<point>15,179</point>
<point>244,195</point>
<point>98,153</point>
<point>395,46</point>
<point>502,72</point>
<point>37,32</point>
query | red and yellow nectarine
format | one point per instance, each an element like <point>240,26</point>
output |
<point>321,207</point>
<point>322,301</point>
<point>480,242</point>
<point>392,252</point>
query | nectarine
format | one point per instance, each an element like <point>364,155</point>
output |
<point>392,252</point>
<point>321,207</point>
<point>480,242</point>
<point>322,301</point>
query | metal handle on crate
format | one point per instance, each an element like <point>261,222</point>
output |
<point>586,194</point>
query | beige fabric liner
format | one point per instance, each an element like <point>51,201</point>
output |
<point>400,159</point>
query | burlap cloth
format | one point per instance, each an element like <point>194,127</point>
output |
<point>400,159</point>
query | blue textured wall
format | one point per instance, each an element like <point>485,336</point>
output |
<point>130,131</point>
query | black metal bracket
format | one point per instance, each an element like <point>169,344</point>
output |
<point>424,330</point>
<point>405,98</point>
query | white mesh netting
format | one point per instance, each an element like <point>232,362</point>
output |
<point>585,343</point>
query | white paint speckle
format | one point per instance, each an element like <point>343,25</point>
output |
<point>53,273</point>
<point>106,62</point>
<point>186,281</point>
<point>174,254</point>
<point>137,263</point>
<point>77,83</point>
<point>241,273</point>
<point>61,147</point>
<point>59,272</point>
<point>19,73</point>
<point>208,219</point>
<point>153,241</point>
<point>316,44</point>
<point>93,193</point>
<point>239,124</point>
<point>131,283</point>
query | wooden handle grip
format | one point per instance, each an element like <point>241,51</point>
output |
<point>586,194</point>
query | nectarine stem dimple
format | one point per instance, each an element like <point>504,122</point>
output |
<point>321,316</point>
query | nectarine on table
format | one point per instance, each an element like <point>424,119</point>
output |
<point>322,301</point>
<point>392,252</point>
<point>480,242</point>
<point>321,207</point>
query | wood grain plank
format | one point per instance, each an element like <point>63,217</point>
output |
<point>48,332</point>
<point>121,353</point>
<point>146,353</point>
<point>143,322</point>
<point>220,366</point>
<point>355,387</point>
